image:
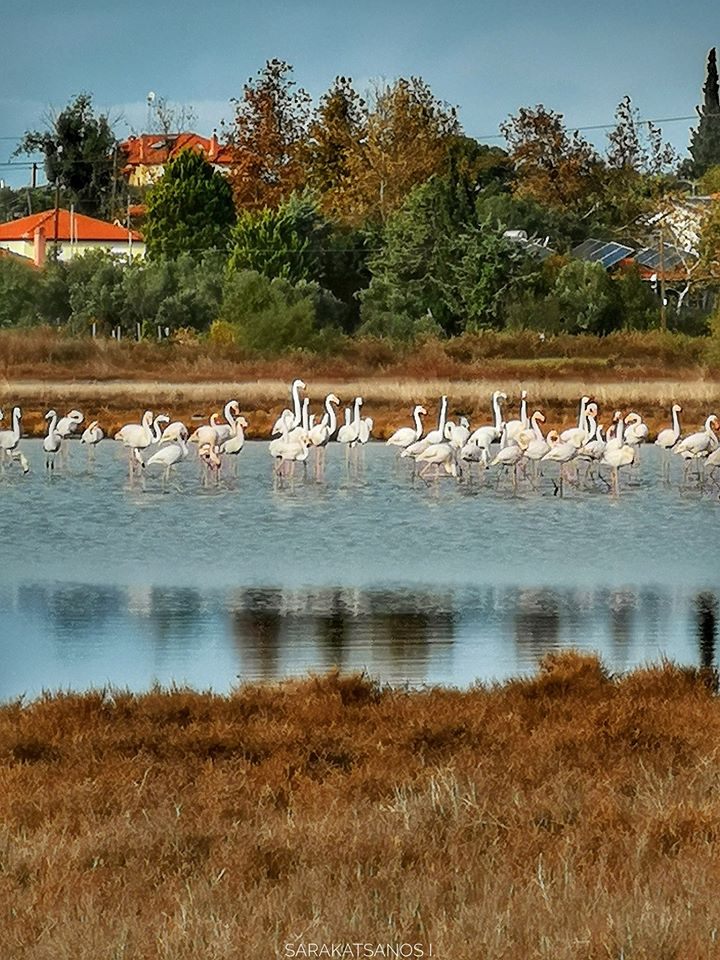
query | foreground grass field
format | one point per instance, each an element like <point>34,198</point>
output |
<point>570,815</point>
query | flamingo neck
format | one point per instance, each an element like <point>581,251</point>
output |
<point>305,414</point>
<point>523,412</point>
<point>676,422</point>
<point>296,405</point>
<point>418,423</point>
<point>357,411</point>
<point>229,415</point>
<point>582,419</point>
<point>332,417</point>
<point>52,424</point>
<point>443,415</point>
<point>496,411</point>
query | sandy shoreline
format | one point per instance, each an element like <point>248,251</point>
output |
<point>387,400</point>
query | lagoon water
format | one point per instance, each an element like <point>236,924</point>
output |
<point>420,584</point>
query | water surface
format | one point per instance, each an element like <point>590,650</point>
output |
<point>440,583</point>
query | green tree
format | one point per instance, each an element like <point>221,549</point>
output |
<point>19,292</point>
<point>438,267</point>
<point>587,298</point>
<point>269,316</point>
<point>705,139</point>
<point>79,148</point>
<point>286,242</point>
<point>189,210</point>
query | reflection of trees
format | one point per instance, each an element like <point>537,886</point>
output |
<point>256,627</point>
<point>70,609</point>
<point>176,613</point>
<point>404,632</point>
<point>537,623</point>
<point>706,608</point>
<point>621,606</point>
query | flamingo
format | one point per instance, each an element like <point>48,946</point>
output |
<point>349,433</point>
<point>136,437</point>
<point>581,433</point>
<point>52,441</point>
<point>92,435</point>
<point>173,432</point>
<point>537,445</point>
<point>296,387</point>
<point>9,439</point>
<point>668,437</point>
<point>404,436</point>
<point>207,432</point>
<point>67,425</point>
<point>515,427</point>
<point>169,454</point>
<point>438,435</point>
<point>289,449</point>
<point>510,455</point>
<point>487,435</point>
<point>458,434</point>
<point>439,455</point>
<point>210,458</point>
<point>562,452</point>
<point>699,445</point>
<point>235,444</point>
<point>619,455</point>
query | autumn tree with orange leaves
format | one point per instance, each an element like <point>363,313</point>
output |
<point>270,129</point>
<point>405,141</point>
<point>334,137</point>
<point>553,166</point>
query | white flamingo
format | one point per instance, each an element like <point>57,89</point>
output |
<point>52,442</point>
<point>404,436</point>
<point>349,433</point>
<point>296,387</point>
<point>136,437</point>
<point>9,441</point>
<point>458,434</point>
<point>438,455</point>
<point>67,425</point>
<point>169,454</point>
<point>92,435</point>
<point>619,455</point>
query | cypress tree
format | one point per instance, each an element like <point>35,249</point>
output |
<point>705,140</point>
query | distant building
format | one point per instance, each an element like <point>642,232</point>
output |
<point>73,233</point>
<point>145,156</point>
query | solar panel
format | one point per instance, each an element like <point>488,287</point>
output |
<point>607,253</point>
<point>650,257</point>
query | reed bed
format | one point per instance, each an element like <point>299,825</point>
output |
<point>571,815</point>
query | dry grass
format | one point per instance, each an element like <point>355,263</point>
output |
<point>569,816</point>
<point>387,401</point>
<point>114,382</point>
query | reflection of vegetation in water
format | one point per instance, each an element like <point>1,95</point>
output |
<point>706,606</point>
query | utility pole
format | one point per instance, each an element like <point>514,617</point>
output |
<point>663,310</point>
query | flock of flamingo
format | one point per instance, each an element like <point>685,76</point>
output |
<point>517,447</point>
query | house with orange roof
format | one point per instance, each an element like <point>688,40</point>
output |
<point>145,156</point>
<point>70,234</point>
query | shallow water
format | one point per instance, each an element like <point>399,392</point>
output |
<point>440,583</point>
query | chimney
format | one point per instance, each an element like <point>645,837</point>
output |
<point>213,146</point>
<point>39,246</point>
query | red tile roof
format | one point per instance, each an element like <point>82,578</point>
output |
<point>81,228</point>
<point>154,149</point>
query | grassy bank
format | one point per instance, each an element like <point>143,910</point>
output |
<point>114,382</point>
<point>570,815</point>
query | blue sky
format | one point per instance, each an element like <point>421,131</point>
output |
<point>488,57</point>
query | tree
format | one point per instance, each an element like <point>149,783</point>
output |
<point>407,134</point>
<point>438,268</point>
<point>633,150</point>
<point>271,316</point>
<point>334,135</point>
<point>587,298</point>
<point>270,129</point>
<point>705,140</point>
<point>189,210</point>
<point>286,242</point>
<point>553,166</point>
<point>19,291</point>
<point>79,149</point>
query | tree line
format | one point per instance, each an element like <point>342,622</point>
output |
<point>375,216</point>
